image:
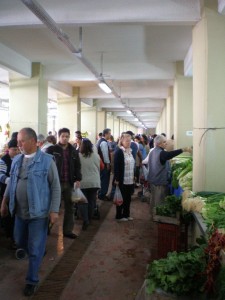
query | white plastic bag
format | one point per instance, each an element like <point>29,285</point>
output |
<point>78,196</point>
<point>118,199</point>
<point>145,172</point>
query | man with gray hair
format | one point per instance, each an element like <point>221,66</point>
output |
<point>33,194</point>
<point>42,142</point>
<point>159,170</point>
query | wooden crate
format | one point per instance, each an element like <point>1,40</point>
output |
<point>164,219</point>
<point>172,237</point>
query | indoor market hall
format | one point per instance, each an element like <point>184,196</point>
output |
<point>112,149</point>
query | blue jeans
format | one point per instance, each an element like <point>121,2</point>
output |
<point>31,235</point>
<point>105,177</point>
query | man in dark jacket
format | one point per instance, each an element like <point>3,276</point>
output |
<point>69,169</point>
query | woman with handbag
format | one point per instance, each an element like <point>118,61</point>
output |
<point>124,176</point>
<point>90,183</point>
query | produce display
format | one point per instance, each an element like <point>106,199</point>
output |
<point>192,202</point>
<point>219,284</point>
<point>216,243</point>
<point>170,208</point>
<point>181,167</point>
<point>197,272</point>
<point>180,273</point>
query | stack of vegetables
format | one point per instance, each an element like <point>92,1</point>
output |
<point>192,202</point>
<point>182,172</point>
<point>179,273</point>
<point>210,205</point>
<point>170,208</point>
<point>213,211</point>
<point>197,273</point>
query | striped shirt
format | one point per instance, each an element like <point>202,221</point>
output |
<point>128,166</point>
<point>3,170</point>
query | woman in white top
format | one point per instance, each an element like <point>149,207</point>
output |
<point>90,183</point>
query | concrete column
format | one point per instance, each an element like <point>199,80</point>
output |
<point>101,121</point>
<point>28,101</point>
<point>110,123</point>
<point>116,127</point>
<point>79,110</point>
<point>163,120</point>
<point>169,114</point>
<point>68,112</point>
<point>209,102</point>
<point>121,126</point>
<point>183,109</point>
<point>89,123</point>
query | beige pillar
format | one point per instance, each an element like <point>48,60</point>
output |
<point>169,114</point>
<point>28,101</point>
<point>121,126</point>
<point>163,120</point>
<point>79,109</point>
<point>68,111</point>
<point>101,121</point>
<point>89,123</point>
<point>209,102</point>
<point>183,109</point>
<point>110,123</point>
<point>116,128</point>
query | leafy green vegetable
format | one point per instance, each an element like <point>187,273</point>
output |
<point>179,273</point>
<point>181,165</point>
<point>170,208</point>
<point>186,181</point>
<point>220,284</point>
<point>212,212</point>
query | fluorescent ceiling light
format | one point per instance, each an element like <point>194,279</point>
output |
<point>135,119</point>
<point>129,112</point>
<point>105,87</point>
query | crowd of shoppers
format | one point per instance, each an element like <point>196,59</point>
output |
<point>38,175</point>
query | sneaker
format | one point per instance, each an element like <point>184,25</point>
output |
<point>29,289</point>
<point>70,235</point>
<point>20,254</point>
<point>123,220</point>
<point>130,219</point>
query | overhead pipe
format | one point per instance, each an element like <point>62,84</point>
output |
<point>41,14</point>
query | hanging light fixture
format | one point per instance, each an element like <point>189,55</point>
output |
<point>105,87</point>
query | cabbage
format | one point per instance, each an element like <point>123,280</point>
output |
<point>186,181</point>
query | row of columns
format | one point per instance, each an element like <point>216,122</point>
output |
<point>28,108</point>
<point>194,109</point>
<point>196,105</point>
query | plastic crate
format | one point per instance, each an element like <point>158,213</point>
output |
<point>171,238</point>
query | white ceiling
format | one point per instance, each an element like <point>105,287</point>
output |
<point>140,41</point>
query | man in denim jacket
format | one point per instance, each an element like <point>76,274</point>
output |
<point>33,193</point>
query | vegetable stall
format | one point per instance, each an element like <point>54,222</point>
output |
<point>199,271</point>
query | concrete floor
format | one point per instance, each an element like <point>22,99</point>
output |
<point>108,261</point>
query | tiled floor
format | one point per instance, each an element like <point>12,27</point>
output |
<point>107,261</point>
